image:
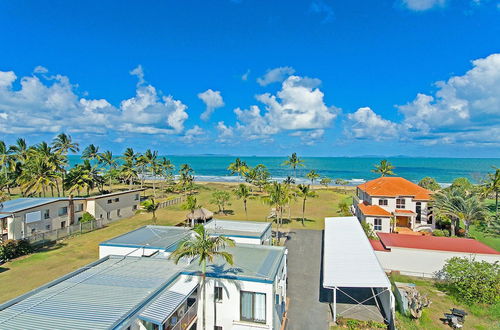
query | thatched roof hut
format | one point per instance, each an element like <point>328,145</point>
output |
<point>200,215</point>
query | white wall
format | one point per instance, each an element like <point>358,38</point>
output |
<point>99,207</point>
<point>386,223</point>
<point>245,240</point>
<point>418,262</point>
<point>105,250</point>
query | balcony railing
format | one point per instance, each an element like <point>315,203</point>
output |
<point>187,319</point>
<point>356,200</point>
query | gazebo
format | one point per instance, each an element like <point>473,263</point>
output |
<point>200,215</point>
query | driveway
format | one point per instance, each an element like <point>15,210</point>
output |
<point>305,311</point>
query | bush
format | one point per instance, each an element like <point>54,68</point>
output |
<point>472,281</point>
<point>87,217</point>
<point>441,233</point>
<point>358,324</point>
<point>11,249</point>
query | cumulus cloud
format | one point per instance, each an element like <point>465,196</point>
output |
<point>423,5</point>
<point>275,75</point>
<point>212,100</point>
<point>52,104</point>
<point>225,134</point>
<point>194,134</point>
<point>366,124</point>
<point>299,105</point>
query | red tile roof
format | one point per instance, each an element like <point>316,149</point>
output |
<point>373,210</point>
<point>377,245</point>
<point>451,244</point>
<point>404,211</point>
<point>394,187</point>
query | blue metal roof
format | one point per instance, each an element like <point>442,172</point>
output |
<point>24,203</point>
<point>161,237</point>
<point>237,228</point>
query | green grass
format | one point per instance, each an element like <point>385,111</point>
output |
<point>26,273</point>
<point>480,316</point>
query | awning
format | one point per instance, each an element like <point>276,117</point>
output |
<point>349,260</point>
<point>168,301</point>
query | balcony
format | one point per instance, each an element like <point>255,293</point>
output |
<point>187,319</point>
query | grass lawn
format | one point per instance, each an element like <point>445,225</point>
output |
<point>487,238</point>
<point>480,316</point>
<point>29,272</point>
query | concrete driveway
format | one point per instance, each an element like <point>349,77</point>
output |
<point>305,311</point>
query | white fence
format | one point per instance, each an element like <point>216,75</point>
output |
<point>171,202</point>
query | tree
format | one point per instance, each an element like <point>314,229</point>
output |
<point>278,195</point>
<point>429,183</point>
<point>289,180</point>
<point>191,204</point>
<point>258,176</point>
<point>243,192</point>
<point>293,162</point>
<point>150,206</point>
<point>368,229</point>
<point>91,152</point>
<point>325,182</point>
<point>205,248</point>
<point>305,192</point>
<point>221,199</point>
<point>344,208</point>
<point>151,159</point>
<point>384,168</point>
<point>128,173</point>
<point>63,144</point>
<point>108,160</point>
<point>238,166</point>
<point>463,184</point>
<point>186,177</point>
<point>83,176</point>
<point>312,175</point>
<point>492,186</point>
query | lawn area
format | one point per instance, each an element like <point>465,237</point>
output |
<point>29,272</point>
<point>480,316</point>
<point>487,238</point>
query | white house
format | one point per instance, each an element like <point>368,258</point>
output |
<point>22,217</point>
<point>378,201</point>
<point>251,232</point>
<point>425,255</point>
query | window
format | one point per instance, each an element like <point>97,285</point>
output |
<point>118,212</point>
<point>46,214</point>
<point>377,224</point>
<point>63,211</point>
<point>429,220</point>
<point>253,306</point>
<point>108,215</point>
<point>47,227</point>
<point>110,201</point>
<point>79,208</point>
<point>400,203</point>
<point>33,230</point>
<point>79,219</point>
<point>134,207</point>
<point>117,199</point>
<point>418,210</point>
<point>382,202</point>
<point>218,294</point>
<point>136,197</point>
<point>217,327</point>
<point>63,224</point>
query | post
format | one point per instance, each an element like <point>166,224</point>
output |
<point>334,304</point>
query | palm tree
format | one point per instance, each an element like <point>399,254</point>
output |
<point>205,248</point>
<point>384,168</point>
<point>239,167</point>
<point>150,158</point>
<point>20,150</point>
<point>278,195</point>
<point>91,152</point>
<point>107,159</point>
<point>243,192</point>
<point>63,144</point>
<point>325,182</point>
<point>186,177</point>
<point>492,186</point>
<point>37,175</point>
<point>128,173</point>
<point>191,204</point>
<point>312,175</point>
<point>293,161</point>
<point>305,191</point>
<point>150,206</point>
<point>165,168</point>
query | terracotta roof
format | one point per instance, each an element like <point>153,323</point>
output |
<point>394,187</point>
<point>378,246</point>
<point>404,211</point>
<point>373,210</point>
<point>451,244</point>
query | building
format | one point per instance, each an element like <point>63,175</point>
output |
<point>24,217</point>
<point>380,200</point>
<point>425,255</point>
<point>251,232</point>
<point>136,290</point>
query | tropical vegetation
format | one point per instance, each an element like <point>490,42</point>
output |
<point>384,168</point>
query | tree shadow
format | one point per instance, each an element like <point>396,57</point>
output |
<point>305,220</point>
<point>49,246</point>
<point>3,269</point>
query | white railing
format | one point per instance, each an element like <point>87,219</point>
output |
<point>186,319</point>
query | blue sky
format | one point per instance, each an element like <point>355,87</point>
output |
<point>325,78</point>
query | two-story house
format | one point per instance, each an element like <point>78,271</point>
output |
<point>380,200</point>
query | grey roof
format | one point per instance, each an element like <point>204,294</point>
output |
<point>20,204</point>
<point>237,227</point>
<point>161,237</point>
<point>97,297</point>
<point>169,300</point>
<point>117,193</point>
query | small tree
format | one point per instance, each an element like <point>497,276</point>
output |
<point>150,206</point>
<point>87,217</point>
<point>344,208</point>
<point>325,182</point>
<point>312,175</point>
<point>384,168</point>
<point>221,199</point>
<point>191,203</point>
<point>243,192</point>
<point>429,183</point>
<point>305,191</point>
<point>368,229</point>
<point>472,281</point>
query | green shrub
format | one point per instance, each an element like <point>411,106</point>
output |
<point>358,324</point>
<point>87,217</point>
<point>441,233</point>
<point>472,281</point>
<point>11,249</point>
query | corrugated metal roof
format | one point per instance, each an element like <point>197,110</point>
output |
<point>169,300</point>
<point>349,259</point>
<point>96,298</point>
<point>153,236</point>
<point>244,228</point>
<point>19,204</point>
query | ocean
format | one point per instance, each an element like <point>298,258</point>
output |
<point>444,170</point>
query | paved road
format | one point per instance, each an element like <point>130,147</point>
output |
<point>304,263</point>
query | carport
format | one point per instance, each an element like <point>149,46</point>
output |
<point>349,262</point>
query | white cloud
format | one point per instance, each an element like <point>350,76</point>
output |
<point>423,5</point>
<point>51,104</point>
<point>40,69</point>
<point>299,105</point>
<point>194,134</point>
<point>244,76</point>
<point>366,124</point>
<point>275,75</point>
<point>225,133</point>
<point>212,100</point>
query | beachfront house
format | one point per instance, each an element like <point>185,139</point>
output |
<point>140,288</point>
<point>393,203</point>
<point>24,217</point>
